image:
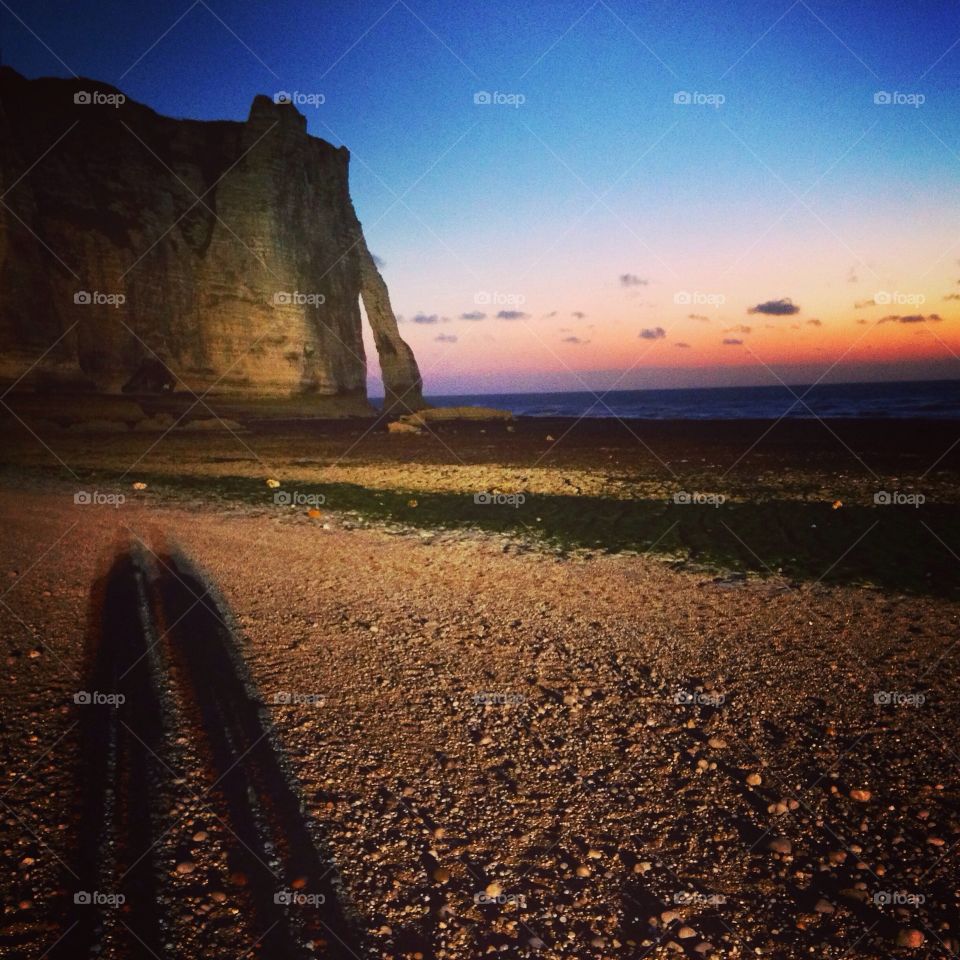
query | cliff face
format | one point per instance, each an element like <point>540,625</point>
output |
<point>182,255</point>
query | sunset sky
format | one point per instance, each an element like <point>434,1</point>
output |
<point>588,230</point>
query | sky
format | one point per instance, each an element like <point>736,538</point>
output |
<point>599,194</point>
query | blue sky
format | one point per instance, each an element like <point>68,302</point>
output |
<point>796,185</point>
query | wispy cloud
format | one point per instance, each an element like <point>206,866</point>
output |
<point>731,342</point>
<point>632,280</point>
<point>473,315</point>
<point>512,315</point>
<point>652,333</point>
<point>784,307</point>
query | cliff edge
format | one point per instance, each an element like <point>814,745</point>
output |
<point>141,254</point>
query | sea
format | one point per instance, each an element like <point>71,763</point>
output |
<point>927,399</point>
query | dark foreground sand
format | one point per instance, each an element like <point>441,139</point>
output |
<point>505,750</point>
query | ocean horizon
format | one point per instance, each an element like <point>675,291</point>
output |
<point>922,399</point>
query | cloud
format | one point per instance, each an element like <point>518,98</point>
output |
<point>632,280</point>
<point>574,340</point>
<point>952,296</point>
<point>512,315</point>
<point>578,314</point>
<point>731,342</point>
<point>852,275</point>
<point>814,322</point>
<point>652,333</point>
<point>446,338</point>
<point>552,313</point>
<point>379,262</point>
<point>784,307</point>
<point>911,318</point>
<point>426,318</point>
<point>473,315</point>
<point>738,328</point>
<point>860,304</point>
<point>698,316</point>
<point>682,345</point>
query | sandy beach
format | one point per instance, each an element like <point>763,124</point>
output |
<point>502,742</point>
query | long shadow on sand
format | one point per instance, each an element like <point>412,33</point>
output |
<point>146,612</point>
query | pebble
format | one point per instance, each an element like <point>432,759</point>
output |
<point>910,939</point>
<point>824,906</point>
<point>685,933</point>
<point>861,796</point>
<point>754,779</point>
<point>185,867</point>
<point>780,845</point>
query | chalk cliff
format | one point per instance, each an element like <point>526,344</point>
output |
<point>143,254</point>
